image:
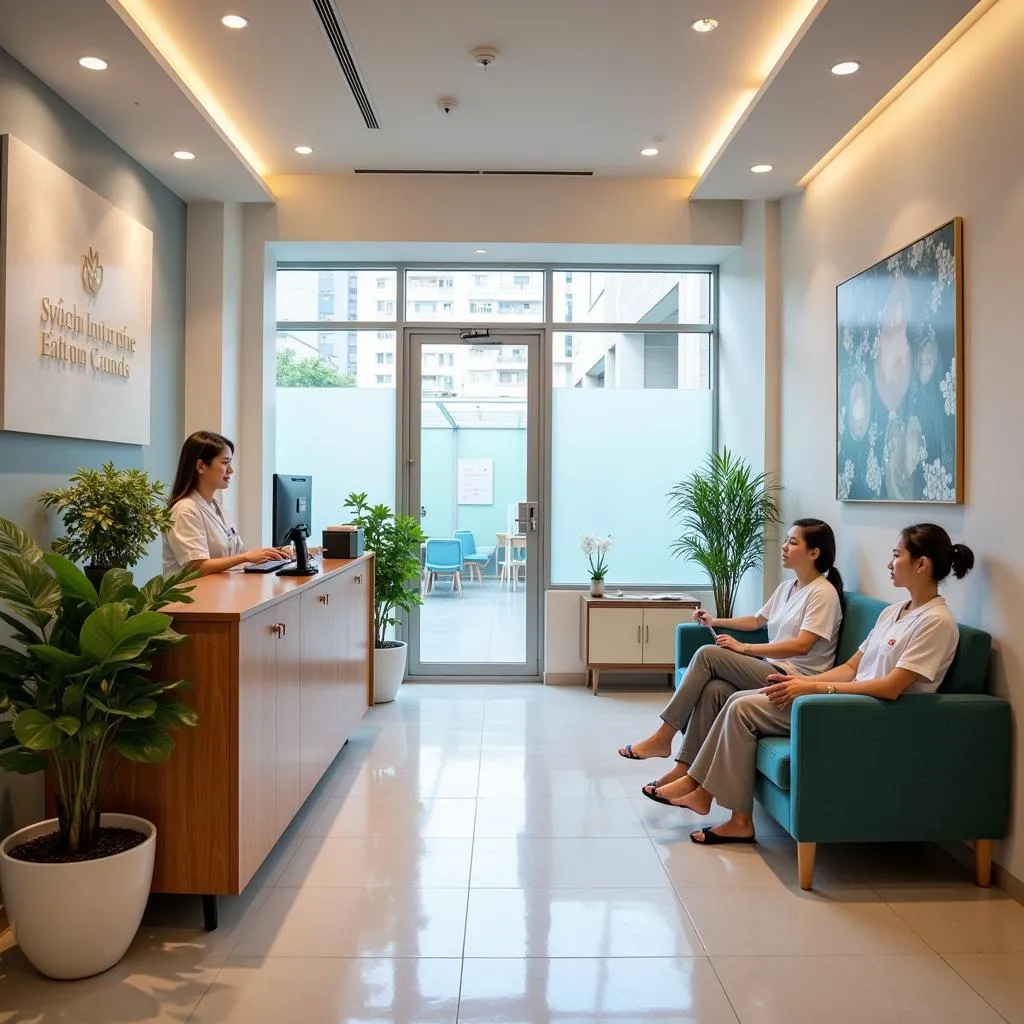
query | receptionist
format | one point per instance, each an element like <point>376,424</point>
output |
<point>202,535</point>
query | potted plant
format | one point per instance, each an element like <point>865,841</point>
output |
<point>395,541</point>
<point>110,515</point>
<point>596,549</point>
<point>76,696</point>
<point>725,510</point>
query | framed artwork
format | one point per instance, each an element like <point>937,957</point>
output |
<point>899,369</point>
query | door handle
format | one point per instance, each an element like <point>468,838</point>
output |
<point>638,640</point>
<point>357,579</point>
<point>280,630</point>
<point>322,598</point>
<point>647,634</point>
<point>526,517</point>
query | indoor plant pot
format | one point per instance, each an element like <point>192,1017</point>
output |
<point>389,663</point>
<point>74,920</point>
<point>76,696</point>
<point>395,541</point>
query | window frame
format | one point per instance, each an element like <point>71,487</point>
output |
<point>399,323</point>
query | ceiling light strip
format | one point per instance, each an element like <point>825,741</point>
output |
<point>959,30</point>
<point>149,30</point>
<point>336,37</point>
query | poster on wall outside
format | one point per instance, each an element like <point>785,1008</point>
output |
<point>476,481</point>
<point>899,383</point>
<point>76,284</point>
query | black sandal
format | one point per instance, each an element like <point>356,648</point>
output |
<point>716,839</point>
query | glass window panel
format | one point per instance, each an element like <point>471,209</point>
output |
<point>632,297</point>
<point>631,416</point>
<point>330,384</point>
<point>497,296</point>
<point>336,295</point>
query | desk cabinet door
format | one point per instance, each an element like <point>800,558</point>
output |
<point>615,636</point>
<point>289,728</point>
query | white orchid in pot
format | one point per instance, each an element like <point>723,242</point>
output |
<point>596,549</point>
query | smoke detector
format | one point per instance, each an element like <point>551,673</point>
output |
<point>446,104</point>
<point>485,56</point>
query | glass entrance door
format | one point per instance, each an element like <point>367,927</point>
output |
<point>473,480</point>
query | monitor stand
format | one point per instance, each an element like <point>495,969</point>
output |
<point>303,566</point>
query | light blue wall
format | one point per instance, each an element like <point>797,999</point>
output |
<point>29,463</point>
<point>442,448</point>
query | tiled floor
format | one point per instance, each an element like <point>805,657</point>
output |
<point>480,853</point>
<point>486,625</point>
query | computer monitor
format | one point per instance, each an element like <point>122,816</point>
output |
<point>293,505</point>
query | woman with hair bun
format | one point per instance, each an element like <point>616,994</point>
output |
<point>909,650</point>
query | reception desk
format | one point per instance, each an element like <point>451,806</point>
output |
<point>282,669</point>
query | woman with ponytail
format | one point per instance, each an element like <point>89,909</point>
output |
<point>909,650</point>
<point>803,618</point>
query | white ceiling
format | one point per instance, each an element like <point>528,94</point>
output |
<point>580,85</point>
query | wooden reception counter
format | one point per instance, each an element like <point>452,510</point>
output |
<point>283,671</point>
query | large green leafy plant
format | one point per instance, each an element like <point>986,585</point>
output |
<point>110,515</point>
<point>725,510</point>
<point>395,541</point>
<point>75,688</point>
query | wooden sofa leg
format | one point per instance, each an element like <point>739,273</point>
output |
<point>983,862</point>
<point>805,863</point>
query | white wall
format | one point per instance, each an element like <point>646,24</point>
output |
<point>951,145</point>
<point>749,367</point>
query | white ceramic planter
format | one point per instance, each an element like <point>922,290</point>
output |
<point>75,920</point>
<point>388,672</point>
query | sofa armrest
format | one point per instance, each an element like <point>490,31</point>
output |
<point>923,767</point>
<point>691,636</point>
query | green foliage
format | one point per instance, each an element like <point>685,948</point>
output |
<point>110,515</point>
<point>725,511</point>
<point>293,372</point>
<point>395,542</point>
<point>75,686</point>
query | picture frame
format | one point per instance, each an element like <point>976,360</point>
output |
<point>899,375</point>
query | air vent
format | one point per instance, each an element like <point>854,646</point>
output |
<point>336,37</point>
<point>535,174</point>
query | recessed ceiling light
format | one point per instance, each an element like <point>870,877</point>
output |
<point>304,150</point>
<point>480,252</point>
<point>761,168</point>
<point>649,151</point>
<point>93,63</point>
<point>183,154</point>
<point>704,25</point>
<point>846,67</point>
<point>234,21</point>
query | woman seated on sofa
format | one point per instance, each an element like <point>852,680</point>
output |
<point>908,650</point>
<point>803,617</point>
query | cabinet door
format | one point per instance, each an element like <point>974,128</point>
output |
<point>660,633</point>
<point>615,636</point>
<point>357,631</point>
<point>314,685</point>
<point>289,738</point>
<point>257,741</point>
<point>337,644</point>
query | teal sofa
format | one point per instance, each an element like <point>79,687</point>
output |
<point>926,767</point>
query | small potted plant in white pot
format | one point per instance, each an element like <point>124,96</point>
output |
<point>110,517</point>
<point>596,549</point>
<point>76,696</point>
<point>395,542</point>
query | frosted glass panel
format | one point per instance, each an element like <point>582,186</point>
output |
<point>615,454</point>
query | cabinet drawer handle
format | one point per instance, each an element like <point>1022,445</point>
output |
<point>647,634</point>
<point>357,579</point>
<point>322,598</point>
<point>279,630</point>
<point>638,640</point>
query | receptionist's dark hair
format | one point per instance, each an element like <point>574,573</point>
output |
<point>202,446</point>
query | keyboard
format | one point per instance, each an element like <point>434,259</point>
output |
<point>281,563</point>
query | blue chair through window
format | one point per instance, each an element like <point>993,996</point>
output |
<point>474,559</point>
<point>443,557</point>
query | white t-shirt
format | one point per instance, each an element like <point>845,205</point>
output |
<point>201,530</point>
<point>814,608</point>
<point>923,641</point>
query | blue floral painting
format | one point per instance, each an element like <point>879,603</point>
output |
<point>899,334</point>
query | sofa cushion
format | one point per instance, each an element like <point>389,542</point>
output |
<point>859,618</point>
<point>773,759</point>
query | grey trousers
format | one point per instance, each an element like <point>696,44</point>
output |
<point>727,762</point>
<point>713,676</point>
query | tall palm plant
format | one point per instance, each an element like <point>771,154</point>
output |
<point>724,509</point>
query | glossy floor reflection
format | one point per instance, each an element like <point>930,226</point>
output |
<point>481,854</point>
<point>486,625</point>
